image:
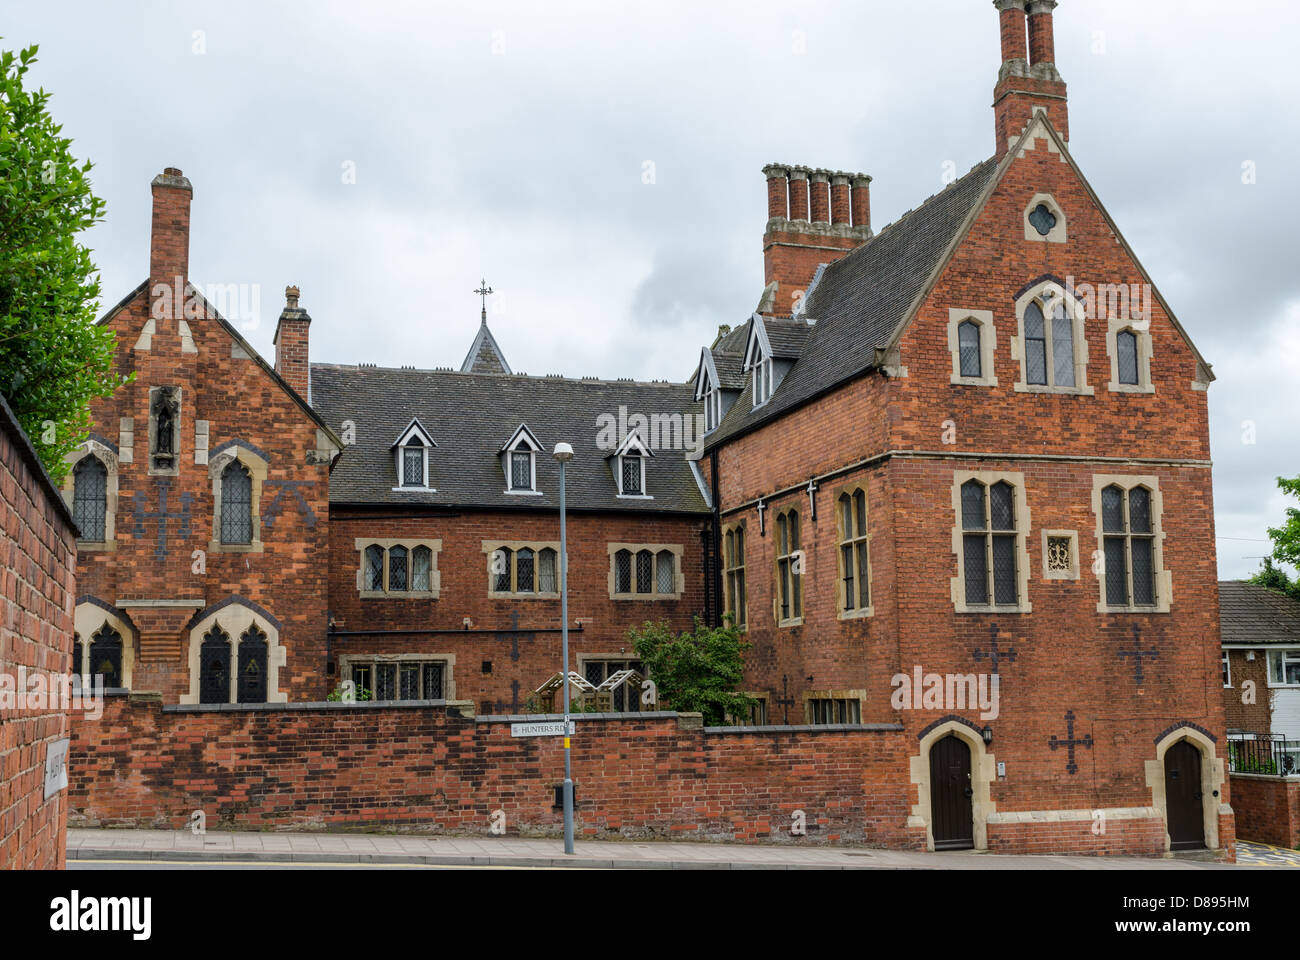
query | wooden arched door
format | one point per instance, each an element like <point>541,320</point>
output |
<point>951,791</point>
<point>1184,802</point>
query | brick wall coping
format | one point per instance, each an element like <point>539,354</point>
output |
<point>1274,777</point>
<point>308,706</point>
<point>23,443</point>
<point>813,728</point>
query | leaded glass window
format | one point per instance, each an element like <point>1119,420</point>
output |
<point>413,466</point>
<point>421,569</point>
<point>214,666</point>
<point>434,687</point>
<point>521,471</point>
<point>665,572</point>
<point>236,504</point>
<point>546,571</point>
<point>1042,219</point>
<point>374,567</point>
<point>385,681</point>
<point>854,572</point>
<point>408,677</point>
<point>1126,349</point>
<point>989,543</point>
<point>397,569</point>
<point>106,656</point>
<point>789,566</point>
<point>90,498</point>
<point>78,657</point>
<point>524,571</point>
<point>734,565</point>
<point>623,571</point>
<point>631,474</point>
<point>252,666</point>
<point>1035,345</point>
<point>1129,548</point>
<point>644,571</point>
<point>968,343</point>
<point>1049,344</point>
<point>502,562</point>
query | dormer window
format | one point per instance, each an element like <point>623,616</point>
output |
<point>762,381</point>
<point>519,461</point>
<point>629,464</point>
<point>412,457</point>
<point>712,408</point>
<point>633,473</point>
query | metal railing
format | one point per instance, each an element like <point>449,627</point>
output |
<point>1267,754</point>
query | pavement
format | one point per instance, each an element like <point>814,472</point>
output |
<point>352,849</point>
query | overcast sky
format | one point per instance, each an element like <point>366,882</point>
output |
<point>600,165</point>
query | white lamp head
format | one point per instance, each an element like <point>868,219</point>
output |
<point>563,452</point>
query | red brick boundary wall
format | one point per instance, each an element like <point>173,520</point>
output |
<point>432,767</point>
<point>1267,809</point>
<point>425,768</point>
<point>38,552</point>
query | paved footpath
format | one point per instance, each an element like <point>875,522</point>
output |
<point>352,848</point>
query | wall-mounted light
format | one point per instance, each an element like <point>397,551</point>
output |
<point>987,734</point>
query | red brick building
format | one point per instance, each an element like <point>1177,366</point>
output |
<point>955,476</point>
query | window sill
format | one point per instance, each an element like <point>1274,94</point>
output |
<point>1130,388</point>
<point>1140,611</point>
<point>860,614</point>
<point>957,381</point>
<point>1067,391</point>
<point>523,493</point>
<point>794,622</point>
<point>645,596</point>
<point>634,496</point>
<point>216,546</point>
<point>404,595</point>
<point>997,609</point>
<point>415,489</point>
<point>97,546</point>
<point>493,595</point>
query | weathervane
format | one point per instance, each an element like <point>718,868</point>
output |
<point>483,291</point>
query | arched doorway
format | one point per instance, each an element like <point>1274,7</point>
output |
<point>1184,797</point>
<point>951,793</point>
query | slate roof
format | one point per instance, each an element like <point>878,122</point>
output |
<point>484,355</point>
<point>470,417</point>
<point>1249,613</point>
<point>861,300</point>
<point>786,337</point>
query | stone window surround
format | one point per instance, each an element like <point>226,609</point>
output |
<point>1077,311</point>
<point>490,547</point>
<point>235,619</point>
<point>870,609</point>
<point>522,442</point>
<point>414,435</point>
<point>1059,233</point>
<point>859,695</point>
<point>1142,330</point>
<point>1163,578</point>
<point>765,698</point>
<point>257,467</point>
<point>347,660</point>
<point>435,576</point>
<point>108,456</point>
<point>1023,525</point>
<point>679,577</point>
<point>179,432</point>
<point>89,618</point>
<point>1073,572</point>
<point>727,528</point>
<point>776,569</point>
<point>988,347</point>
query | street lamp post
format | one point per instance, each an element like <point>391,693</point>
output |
<point>564,453</point>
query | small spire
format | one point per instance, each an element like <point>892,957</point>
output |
<point>483,291</point>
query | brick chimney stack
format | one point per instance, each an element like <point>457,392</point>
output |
<point>290,342</point>
<point>814,216</point>
<point>1028,80</point>
<point>169,242</point>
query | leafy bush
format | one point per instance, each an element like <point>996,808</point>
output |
<point>695,672</point>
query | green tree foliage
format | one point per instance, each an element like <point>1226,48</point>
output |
<point>1286,538</point>
<point>695,672</point>
<point>54,360</point>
